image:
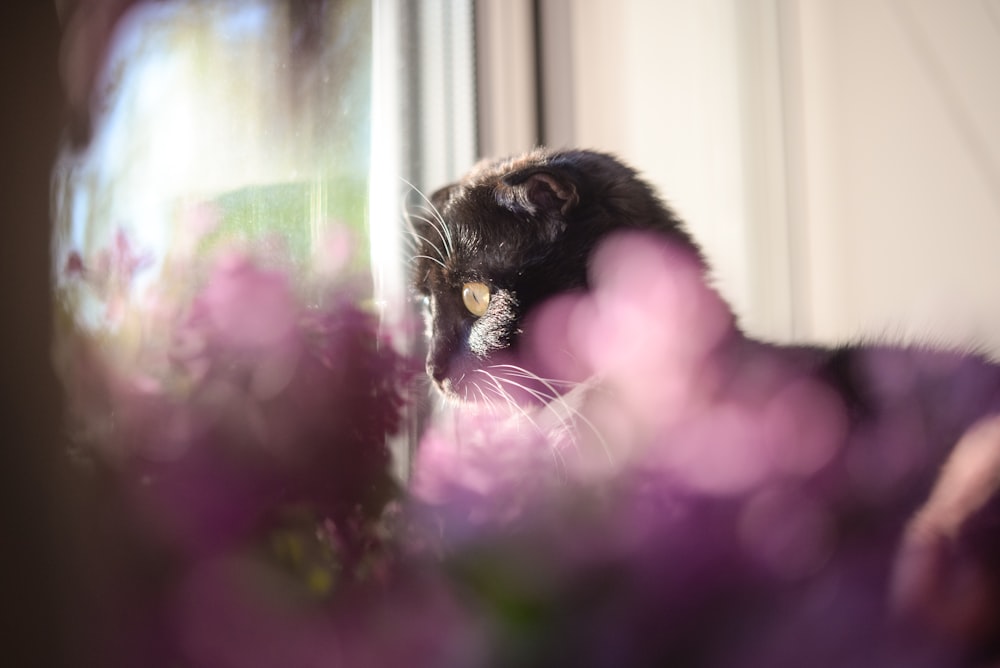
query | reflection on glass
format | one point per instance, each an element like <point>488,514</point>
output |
<point>224,129</point>
<point>221,121</point>
<point>227,381</point>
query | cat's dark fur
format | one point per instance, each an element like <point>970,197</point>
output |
<point>526,227</point>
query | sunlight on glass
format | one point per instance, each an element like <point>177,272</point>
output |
<point>223,125</point>
<point>223,195</point>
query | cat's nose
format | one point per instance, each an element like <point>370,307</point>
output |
<point>438,372</point>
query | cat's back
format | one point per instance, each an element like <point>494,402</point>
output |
<point>907,407</point>
<point>947,388</point>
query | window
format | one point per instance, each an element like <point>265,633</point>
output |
<point>280,128</point>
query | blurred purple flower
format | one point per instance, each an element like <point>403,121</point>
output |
<point>247,404</point>
<point>688,497</point>
<point>692,499</point>
<point>246,308</point>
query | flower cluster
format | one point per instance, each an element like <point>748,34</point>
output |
<point>695,496</point>
<point>683,494</point>
<point>240,435</point>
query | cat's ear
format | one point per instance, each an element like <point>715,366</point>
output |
<point>539,190</point>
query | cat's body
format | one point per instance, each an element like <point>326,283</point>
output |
<point>514,233</point>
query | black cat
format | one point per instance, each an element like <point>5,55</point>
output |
<point>514,233</point>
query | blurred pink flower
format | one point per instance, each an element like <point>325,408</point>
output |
<point>247,308</point>
<point>683,495</point>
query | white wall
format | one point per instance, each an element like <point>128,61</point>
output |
<point>839,159</point>
<point>898,163</point>
<point>688,92</point>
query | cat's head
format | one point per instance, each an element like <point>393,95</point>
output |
<point>510,234</point>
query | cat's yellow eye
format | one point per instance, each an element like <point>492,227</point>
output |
<point>476,297</point>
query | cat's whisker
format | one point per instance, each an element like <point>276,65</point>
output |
<point>418,241</point>
<point>502,394</point>
<point>499,390</point>
<point>481,396</point>
<point>489,403</point>
<point>415,238</point>
<point>506,396</point>
<point>566,427</point>
<point>537,394</point>
<point>550,383</point>
<point>407,218</point>
<point>433,211</point>
<point>440,227</point>
<point>428,257</point>
<point>554,398</point>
